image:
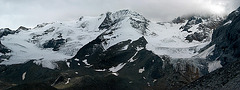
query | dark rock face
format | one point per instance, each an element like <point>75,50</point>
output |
<point>204,33</point>
<point>108,82</point>
<point>4,49</point>
<point>89,49</point>
<point>33,73</point>
<point>107,23</point>
<point>227,41</point>
<point>5,85</point>
<point>204,29</point>
<point>36,86</point>
<point>140,25</point>
<point>226,78</point>
<point>41,25</point>
<point>150,67</point>
<point>55,44</point>
<point>102,59</point>
<point>191,21</point>
<point>198,36</point>
<point>5,32</point>
<point>178,20</point>
<point>141,67</point>
<point>154,76</point>
<point>22,28</point>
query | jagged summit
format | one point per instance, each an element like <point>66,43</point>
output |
<point>23,28</point>
<point>113,19</point>
<point>129,13</point>
<point>121,14</point>
<point>122,25</point>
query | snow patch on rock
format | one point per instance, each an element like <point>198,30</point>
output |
<point>68,80</point>
<point>117,68</point>
<point>68,64</point>
<point>85,62</point>
<point>116,74</point>
<point>141,70</point>
<point>230,21</point>
<point>100,70</point>
<point>214,65</point>
<point>24,75</point>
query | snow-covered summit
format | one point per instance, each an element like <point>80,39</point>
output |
<point>127,14</point>
<point>131,14</point>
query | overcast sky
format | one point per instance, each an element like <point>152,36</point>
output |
<point>29,13</point>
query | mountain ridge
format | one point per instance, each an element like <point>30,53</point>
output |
<point>121,46</point>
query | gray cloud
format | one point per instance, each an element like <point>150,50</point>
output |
<point>14,13</point>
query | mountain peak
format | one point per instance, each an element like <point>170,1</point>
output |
<point>137,21</point>
<point>122,25</point>
<point>128,13</point>
<point>23,28</point>
<point>125,13</point>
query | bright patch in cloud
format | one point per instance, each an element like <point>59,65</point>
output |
<point>217,8</point>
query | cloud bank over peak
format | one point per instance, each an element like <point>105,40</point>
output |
<point>15,13</point>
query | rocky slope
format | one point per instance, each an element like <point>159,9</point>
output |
<point>226,42</point>
<point>226,39</point>
<point>226,78</point>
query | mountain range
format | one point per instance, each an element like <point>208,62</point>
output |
<point>122,50</point>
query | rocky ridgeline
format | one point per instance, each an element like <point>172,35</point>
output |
<point>206,25</point>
